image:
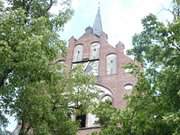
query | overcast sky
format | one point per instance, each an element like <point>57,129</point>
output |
<point>121,19</point>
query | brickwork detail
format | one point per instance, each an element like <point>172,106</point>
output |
<point>113,82</point>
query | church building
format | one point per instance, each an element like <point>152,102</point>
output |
<point>104,61</point>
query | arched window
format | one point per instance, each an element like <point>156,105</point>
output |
<point>128,86</point>
<point>128,70</point>
<point>95,51</point>
<point>111,64</point>
<point>107,98</point>
<point>105,95</point>
<point>78,53</point>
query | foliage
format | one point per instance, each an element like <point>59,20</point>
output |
<point>1,5</point>
<point>109,118</point>
<point>157,47</point>
<point>176,9</point>
<point>33,85</point>
<point>3,132</point>
<point>153,107</point>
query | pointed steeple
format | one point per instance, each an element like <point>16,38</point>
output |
<point>97,27</point>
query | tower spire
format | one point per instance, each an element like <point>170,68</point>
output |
<point>97,26</point>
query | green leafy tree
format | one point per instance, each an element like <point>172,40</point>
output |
<point>1,5</point>
<point>3,132</point>
<point>153,108</point>
<point>176,9</point>
<point>34,87</point>
<point>158,48</point>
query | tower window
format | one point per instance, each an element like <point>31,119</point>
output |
<point>95,50</point>
<point>82,120</point>
<point>78,53</point>
<point>111,64</point>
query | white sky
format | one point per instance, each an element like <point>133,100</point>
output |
<point>121,19</point>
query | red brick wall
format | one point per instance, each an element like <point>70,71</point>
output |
<point>113,82</point>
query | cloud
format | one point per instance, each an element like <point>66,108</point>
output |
<point>121,21</point>
<point>75,4</point>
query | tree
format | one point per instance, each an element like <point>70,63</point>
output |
<point>3,132</point>
<point>33,85</point>
<point>158,48</point>
<point>176,9</point>
<point>153,108</point>
<point>1,5</point>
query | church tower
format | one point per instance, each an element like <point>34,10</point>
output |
<point>105,62</point>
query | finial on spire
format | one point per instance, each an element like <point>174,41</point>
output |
<point>97,27</point>
<point>99,4</point>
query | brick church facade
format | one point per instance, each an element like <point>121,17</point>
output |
<point>105,62</point>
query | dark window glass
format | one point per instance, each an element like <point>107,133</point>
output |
<point>82,120</point>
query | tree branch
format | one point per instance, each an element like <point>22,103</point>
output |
<point>50,4</point>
